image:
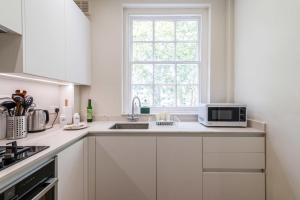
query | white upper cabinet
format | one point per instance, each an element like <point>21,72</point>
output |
<point>55,42</point>
<point>44,38</point>
<point>11,16</point>
<point>78,56</point>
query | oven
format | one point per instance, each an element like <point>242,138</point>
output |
<point>39,184</point>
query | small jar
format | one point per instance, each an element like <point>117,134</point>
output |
<point>76,119</point>
<point>62,120</point>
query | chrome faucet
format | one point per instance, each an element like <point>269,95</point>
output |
<point>132,117</point>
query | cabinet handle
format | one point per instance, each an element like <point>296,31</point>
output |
<point>51,183</point>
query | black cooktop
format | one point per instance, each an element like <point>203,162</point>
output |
<point>10,155</point>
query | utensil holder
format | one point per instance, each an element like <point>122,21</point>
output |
<point>16,127</point>
<point>2,126</point>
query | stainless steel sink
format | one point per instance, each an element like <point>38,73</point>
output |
<point>130,126</point>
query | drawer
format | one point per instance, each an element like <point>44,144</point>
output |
<point>233,144</point>
<point>234,161</point>
<point>233,186</point>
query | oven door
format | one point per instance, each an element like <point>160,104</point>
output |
<point>223,114</point>
<point>45,191</point>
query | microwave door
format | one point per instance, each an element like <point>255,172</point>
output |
<point>223,114</point>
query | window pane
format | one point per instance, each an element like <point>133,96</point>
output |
<point>164,96</point>
<point>164,51</point>
<point>187,74</point>
<point>187,96</point>
<point>164,74</point>
<point>187,52</point>
<point>157,47</point>
<point>144,92</point>
<point>142,74</point>
<point>142,30</point>
<point>187,31</point>
<point>164,31</point>
<point>142,52</point>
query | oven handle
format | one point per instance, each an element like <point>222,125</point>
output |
<point>52,182</point>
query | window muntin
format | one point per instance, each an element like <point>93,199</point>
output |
<point>164,60</point>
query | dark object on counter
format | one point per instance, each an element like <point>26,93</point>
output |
<point>37,120</point>
<point>223,115</point>
<point>90,111</point>
<point>9,105</point>
<point>145,110</point>
<point>10,155</point>
<point>23,102</point>
<point>28,101</point>
<point>19,104</point>
<point>55,118</point>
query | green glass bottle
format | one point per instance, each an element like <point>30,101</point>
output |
<point>90,111</point>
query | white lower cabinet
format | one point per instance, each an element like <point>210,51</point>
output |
<point>179,168</point>
<point>172,168</point>
<point>233,186</point>
<point>71,172</point>
<point>125,168</point>
<point>233,168</point>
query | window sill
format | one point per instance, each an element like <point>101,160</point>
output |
<point>183,117</point>
<point>172,111</point>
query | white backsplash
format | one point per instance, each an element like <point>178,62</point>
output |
<point>45,95</point>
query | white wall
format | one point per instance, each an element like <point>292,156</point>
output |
<point>267,79</point>
<point>107,21</point>
<point>45,95</point>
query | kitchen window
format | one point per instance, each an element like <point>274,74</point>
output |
<point>164,60</point>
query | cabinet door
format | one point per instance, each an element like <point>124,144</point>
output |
<point>233,186</point>
<point>126,168</point>
<point>78,45</point>
<point>11,15</point>
<point>234,153</point>
<point>71,172</point>
<point>179,168</point>
<point>44,35</point>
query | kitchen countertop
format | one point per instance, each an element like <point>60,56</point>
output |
<point>58,139</point>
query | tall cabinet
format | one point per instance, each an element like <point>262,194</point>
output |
<point>78,45</point>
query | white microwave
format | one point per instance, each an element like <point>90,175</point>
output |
<point>223,114</point>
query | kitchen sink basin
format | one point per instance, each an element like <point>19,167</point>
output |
<point>130,126</point>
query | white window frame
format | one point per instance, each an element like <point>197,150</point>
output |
<point>174,11</point>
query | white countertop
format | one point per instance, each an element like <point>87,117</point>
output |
<point>58,139</point>
<point>181,128</point>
